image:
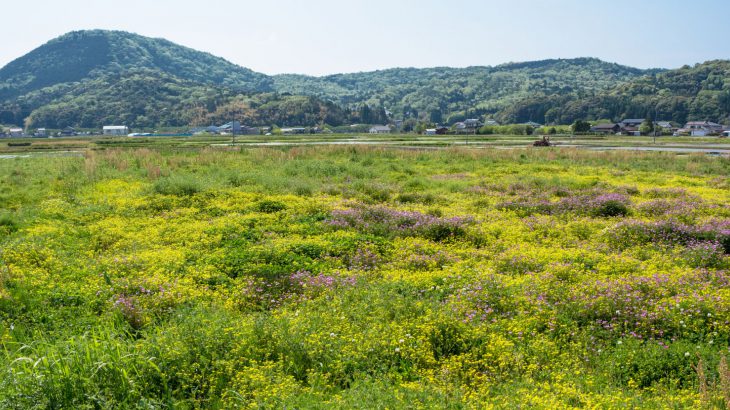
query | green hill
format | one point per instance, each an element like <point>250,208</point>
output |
<point>81,55</point>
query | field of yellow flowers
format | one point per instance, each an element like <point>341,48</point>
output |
<point>356,277</point>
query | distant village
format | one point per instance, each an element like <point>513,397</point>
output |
<point>627,127</point>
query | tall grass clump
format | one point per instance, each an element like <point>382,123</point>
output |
<point>179,185</point>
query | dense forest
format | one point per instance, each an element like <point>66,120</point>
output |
<point>147,98</point>
<point>90,78</point>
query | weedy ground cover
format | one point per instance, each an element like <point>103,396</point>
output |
<point>364,277</point>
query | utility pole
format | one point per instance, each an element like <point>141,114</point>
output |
<point>654,126</point>
<point>233,130</point>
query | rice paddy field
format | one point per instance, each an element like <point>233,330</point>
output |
<point>340,277</point>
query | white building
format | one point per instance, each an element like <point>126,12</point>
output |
<point>15,132</point>
<point>726,134</point>
<point>115,130</point>
<point>380,129</point>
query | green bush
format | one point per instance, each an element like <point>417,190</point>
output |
<point>178,185</point>
<point>268,206</point>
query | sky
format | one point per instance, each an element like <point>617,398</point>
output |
<point>320,37</point>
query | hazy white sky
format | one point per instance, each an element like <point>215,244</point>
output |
<point>330,36</point>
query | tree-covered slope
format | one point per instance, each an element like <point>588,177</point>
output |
<point>701,92</point>
<point>146,98</point>
<point>80,55</point>
<point>464,91</point>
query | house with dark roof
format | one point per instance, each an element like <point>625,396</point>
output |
<point>607,129</point>
<point>631,122</point>
<point>68,132</point>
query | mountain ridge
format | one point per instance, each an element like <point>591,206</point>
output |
<point>72,72</point>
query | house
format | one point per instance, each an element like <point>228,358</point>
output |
<point>666,125</point>
<point>15,132</point>
<point>726,133</point>
<point>632,131</point>
<point>703,128</point>
<point>469,126</point>
<point>41,132</point>
<point>533,124</point>
<point>631,123</point>
<point>491,123</point>
<point>380,129</point>
<point>115,130</point>
<point>230,127</point>
<point>473,123</point>
<point>237,127</point>
<point>430,131</point>
<point>607,129</point>
<point>68,132</point>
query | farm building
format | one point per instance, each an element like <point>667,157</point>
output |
<point>115,130</point>
<point>380,129</point>
<point>294,130</point>
<point>15,132</point>
<point>437,131</point>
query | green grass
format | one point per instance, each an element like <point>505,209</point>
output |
<point>172,275</point>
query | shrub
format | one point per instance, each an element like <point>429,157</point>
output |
<point>178,185</point>
<point>8,223</point>
<point>610,205</point>
<point>268,206</point>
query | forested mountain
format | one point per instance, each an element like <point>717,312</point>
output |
<point>451,94</point>
<point>80,55</point>
<point>701,92</point>
<point>91,78</point>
